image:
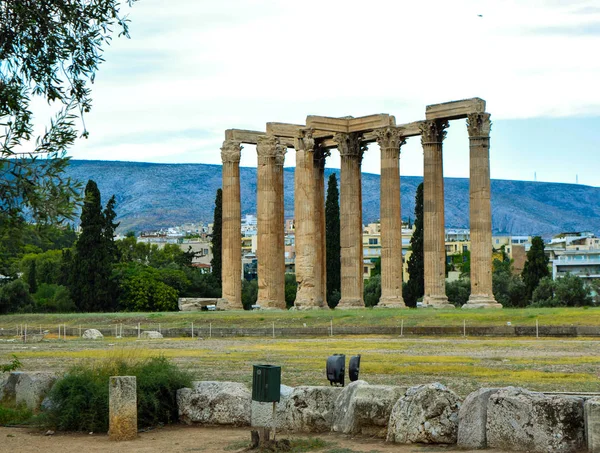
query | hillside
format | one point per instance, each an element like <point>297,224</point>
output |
<point>151,196</point>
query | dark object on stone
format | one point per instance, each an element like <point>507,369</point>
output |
<point>354,367</point>
<point>336,369</point>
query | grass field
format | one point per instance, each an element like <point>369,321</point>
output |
<point>463,364</point>
<point>318,318</point>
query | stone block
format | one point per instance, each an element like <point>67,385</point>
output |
<point>426,414</point>
<point>195,303</point>
<point>591,409</point>
<point>215,403</point>
<point>472,418</point>
<point>122,408</point>
<point>262,413</point>
<point>31,388</point>
<point>151,335</point>
<point>520,420</point>
<point>343,418</point>
<point>454,109</point>
<point>310,409</point>
<point>92,334</point>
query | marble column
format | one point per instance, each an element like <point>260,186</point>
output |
<point>390,141</point>
<point>432,134</point>
<point>307,225</point>
<point>231,248</point>
<point>320,155</point>
<point>479,125</point>
<point>271,247</point>
<point>351,228</point>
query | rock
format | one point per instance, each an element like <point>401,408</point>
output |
<point>8,388</point>
<point>426,414</point>
<point>49,433</point>
<point>31,388</point>
<point>194,303</point>
<point>343,416</point>
<point>262,413</point>
<point>368,410</point>
<point>310,408</point>
<point>472,418</point>
<point>92,334</point>
<point>151,334</point>
<point>35,338</point>
<point>122,408</point>
<point>518,419</point>
<point>591,411</point>
<point>215,403</point>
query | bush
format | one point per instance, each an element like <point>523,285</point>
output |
<point>249,293</point>
<point>14,296</point>
<point>571,291</point>
<point>458,292</point>
<point>291,287</point>
<point>372,291</point>
<point>53,299</point>
<point>543,295</point>
<point>79,401</point>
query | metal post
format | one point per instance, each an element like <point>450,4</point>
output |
<point>273,335</point>
<point>401,327</point>
<point>192,330</point>
<point>59,331</point>
<point>25,335</point>
<point>210,330</point>
<point>274,422</point>
<point>79,330</point>
<point>464,328</point>
<point>331,326</point>
<point>537,329</point>
<point>139,333</point>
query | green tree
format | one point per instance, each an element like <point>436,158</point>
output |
<point>14,296</point>
<point>416,264</point>
<point>110,229</point>
<point>458,291</point>
<point>291,287</point>
<point>217,237</point>
<point>570,290</point>
<point>536,266</point>
<point>249,293</point>
<point>50,50</point>
<point>32,278</point>
<point>372,291</point>
<point>508,289</point>
<point>543,295</point>
<point>92,263</point>
<point>332,241</point>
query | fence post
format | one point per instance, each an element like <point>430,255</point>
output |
<point>273,329</point>
<point>192,330</point>
<point>401,327</point>
<point>537,329</point>
<point>210,330</point>
<point>59,331</point>
<point>139,333</point>
<point>331,327</point>
<point>464,327</point>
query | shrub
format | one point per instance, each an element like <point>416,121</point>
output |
<point>543,295</point>
<point>372,290</point>
<point>80,398</point>
<point>571,291</point>
<point>51,298</point>
<point>458,292</point>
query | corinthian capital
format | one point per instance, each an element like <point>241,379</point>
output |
<point>268,147</point>
<point>349,144</point>
<point>305,140</point>
<point>389,137</point>
<point>433,131</point>
<point>479,124</point>
<point>231,151</point>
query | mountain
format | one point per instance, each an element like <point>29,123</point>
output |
<point>151,196</point>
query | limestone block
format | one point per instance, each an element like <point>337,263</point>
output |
<point>343,415</point>
<point>215,403</point>
<point>311,408</point>
<point>472,418</point>
<point>194,303</point>
<point>151,335</point>
<point>92,334</point>
<point>122,408</point>
<point>592,424</point>
<point>426,414</point>
<point>262,413</point>
<point>518,419</point>
<point>31,388</point>
<point>369,409</point>
<point>7,387</point>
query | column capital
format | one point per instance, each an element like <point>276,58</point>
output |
<point>305,140</point>
<point>433,131</point>
<point>268,147</point>
<point>389,137</point>
<point>231,151</point>
<point>350,145</point>
<point>479,124</point>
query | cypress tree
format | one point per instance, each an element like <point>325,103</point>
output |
<point>92,265</point>
<point>536,266</point>
<point>217,235</point>
<point>332,240</point>
<point>415,286</point>
<point>32,278</point>
<point>110,228</point>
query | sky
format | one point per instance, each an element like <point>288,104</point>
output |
<point>194,68</point>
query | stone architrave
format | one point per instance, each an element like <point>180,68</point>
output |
<point>479,125</point>
<point>307,225</point>
<point>122,408</point>
<point>390,141</point>
<point>231,251</point>
<point>351,152</point>
<point>432,134</point>
<point>320,155</point>
<point>270,253</point>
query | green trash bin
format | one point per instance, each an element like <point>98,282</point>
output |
<point>266,383</point>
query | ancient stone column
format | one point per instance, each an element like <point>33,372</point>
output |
<point>271,248</point>
<point>390,141</point>
<point>122,408</point>
<point>231,248</point>
<point>479,125</point>
<point>351,152</point>
<point>320,154</point>
<point>307,225</point>
<point>432,134</point>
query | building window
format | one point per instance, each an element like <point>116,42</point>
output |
<point>366,270</point>
<point>465,248</point>
<point>372,241</point>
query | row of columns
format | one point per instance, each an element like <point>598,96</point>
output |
<point>310,219</point>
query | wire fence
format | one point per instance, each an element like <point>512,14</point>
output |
<point>63,331</point>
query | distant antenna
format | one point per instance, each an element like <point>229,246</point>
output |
<point>535,176</point>
<point>576,179</point>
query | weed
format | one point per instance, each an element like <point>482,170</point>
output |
<point>15,415</point>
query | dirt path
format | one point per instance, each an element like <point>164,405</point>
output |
<point>179,439</point>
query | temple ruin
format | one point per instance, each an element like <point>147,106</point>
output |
<point>313,143</point>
